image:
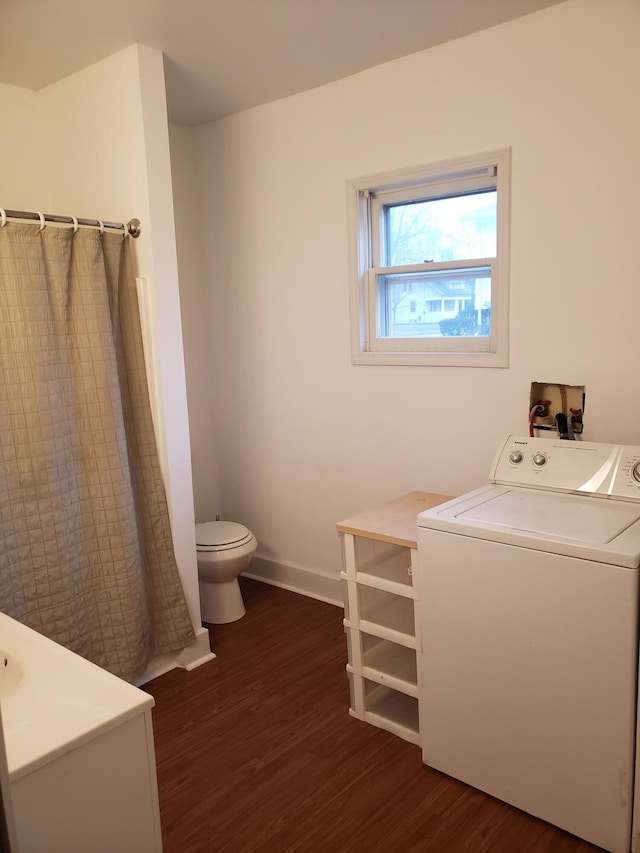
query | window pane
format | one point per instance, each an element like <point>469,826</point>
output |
<point>459,228</point>
<point>447,303</point>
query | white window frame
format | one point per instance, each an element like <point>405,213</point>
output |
<point>366,198</point>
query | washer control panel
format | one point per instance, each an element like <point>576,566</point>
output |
<point>586,467</point>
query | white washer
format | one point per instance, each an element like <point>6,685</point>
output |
<point>528,627</point>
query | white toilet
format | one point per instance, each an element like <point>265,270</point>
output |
<point>225,549</point>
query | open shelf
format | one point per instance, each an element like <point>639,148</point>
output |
<point>381,660</point>
<point>383,561</point>
<point>386,610</point>
<point>391,710</point>
<point>389,663</point>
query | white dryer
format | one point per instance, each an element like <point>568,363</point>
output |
<point>528,634</point>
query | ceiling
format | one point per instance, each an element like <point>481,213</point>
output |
<point>223,56</point>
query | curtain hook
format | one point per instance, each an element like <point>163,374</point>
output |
<point>125,229</point>
<point>75,224</point>
<point>3,217</point>
<point>101,224</point>
<point>41,217</point>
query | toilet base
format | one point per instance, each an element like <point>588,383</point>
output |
<point>221,602</point>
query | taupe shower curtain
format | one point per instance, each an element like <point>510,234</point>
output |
<point>86,555</point>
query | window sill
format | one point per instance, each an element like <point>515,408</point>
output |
<point>433,359</point>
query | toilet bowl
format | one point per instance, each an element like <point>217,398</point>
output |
<point>225,549</point>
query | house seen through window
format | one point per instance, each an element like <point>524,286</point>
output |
<point>430,264</point>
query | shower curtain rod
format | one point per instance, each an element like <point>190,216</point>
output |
<point>133,226</point>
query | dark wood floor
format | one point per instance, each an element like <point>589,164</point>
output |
<point>256,752</point>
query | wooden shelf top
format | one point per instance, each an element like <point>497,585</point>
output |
<point>394,521</point>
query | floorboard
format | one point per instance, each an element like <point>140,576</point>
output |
<point>256,753</point>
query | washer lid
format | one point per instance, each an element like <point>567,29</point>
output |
<point>213,533</point>
<point>588,520</point>
<point>592,528</point>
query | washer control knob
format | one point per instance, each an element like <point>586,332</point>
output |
<point>635,472</point>
<point>539,460</point>
<point>516,457</point>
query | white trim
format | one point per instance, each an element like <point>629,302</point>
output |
<point>359,248</point>
<point>197,653</point>
<point>189,658</point>
<point>414,175</point>
<point>439,359</point>
<point>296,579</point>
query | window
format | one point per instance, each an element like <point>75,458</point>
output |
<point>436,236</point>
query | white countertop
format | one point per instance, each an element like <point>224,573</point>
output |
<point>58,701</point>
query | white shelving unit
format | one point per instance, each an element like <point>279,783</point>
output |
<point>379,559</point>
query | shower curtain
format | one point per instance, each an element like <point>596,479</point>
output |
<point>86,554</point>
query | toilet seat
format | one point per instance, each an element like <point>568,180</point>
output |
<point>213,536</point>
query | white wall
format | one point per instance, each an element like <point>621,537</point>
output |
<point>103,151</point>
<point>197,306</point>
<point>23,181</point>
<point>304,438</point>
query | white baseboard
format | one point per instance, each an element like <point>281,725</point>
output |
<point>296,579</point>
<point>196,654</point>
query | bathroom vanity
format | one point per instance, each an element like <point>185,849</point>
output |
<point>79,751</point>
<point>379,556</point>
